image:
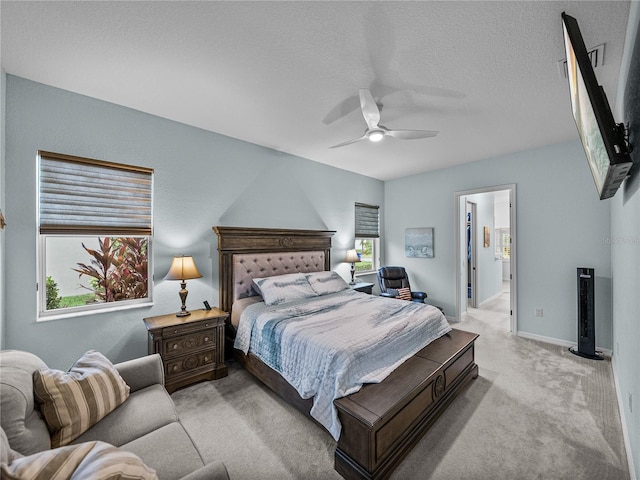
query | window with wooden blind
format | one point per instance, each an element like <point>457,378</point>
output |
<point>367,233</point>
<point>95,223</point>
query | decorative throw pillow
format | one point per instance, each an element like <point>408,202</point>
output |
<point>74,401</point>
<point>324,283</point>
<point>94,460</point>
<point>404,294</point>
<point>284,288</point>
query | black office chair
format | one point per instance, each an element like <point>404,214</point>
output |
<point>390,279</point>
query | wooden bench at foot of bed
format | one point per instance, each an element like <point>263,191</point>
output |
<point>382,422</point>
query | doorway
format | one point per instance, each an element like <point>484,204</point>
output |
<point>471,238</point>
<point>486,251</point>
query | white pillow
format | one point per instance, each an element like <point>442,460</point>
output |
<point>284,288</point>
<point>324,283</point>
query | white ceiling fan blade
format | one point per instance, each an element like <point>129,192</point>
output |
<point>348,142</point>
<point>370,110</point>
<point>412,134</point>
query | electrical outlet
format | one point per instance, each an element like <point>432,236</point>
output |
<point>538,311</point>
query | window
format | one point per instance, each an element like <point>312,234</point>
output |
<point>503,243</point>
<point>94,248</point>
<point>367,233</point>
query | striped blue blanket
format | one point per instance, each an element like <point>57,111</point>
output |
<point>327,347</point>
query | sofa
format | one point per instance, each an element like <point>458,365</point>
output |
<point>145,423</point>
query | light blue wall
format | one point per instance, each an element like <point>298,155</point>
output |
<point>625,249</point>
<point>202,179</point>
<point>625,260</point>
<point>561,225</point>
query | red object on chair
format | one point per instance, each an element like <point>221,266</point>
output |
<point>392,279</point>
<point>404,294</point>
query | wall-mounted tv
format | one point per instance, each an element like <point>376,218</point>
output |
<point>603,140</point>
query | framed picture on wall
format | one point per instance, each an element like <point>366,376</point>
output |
<point>418,242</point>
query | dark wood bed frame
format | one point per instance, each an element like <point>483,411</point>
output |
<point>382,422</point>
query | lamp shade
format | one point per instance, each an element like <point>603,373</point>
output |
<point>352,256</point>
<point>183,268</point>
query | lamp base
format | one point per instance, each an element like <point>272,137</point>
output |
<point>183,297</point>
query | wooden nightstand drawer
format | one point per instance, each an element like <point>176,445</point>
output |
<point>188,363</point>
<point>187,328</point>
<point>187,343</point>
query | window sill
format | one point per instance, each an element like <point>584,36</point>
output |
<point>46,316</point>
<point>365,274</point>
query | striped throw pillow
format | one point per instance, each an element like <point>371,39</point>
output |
<point>94,460</point>
<point>72,402</point>
<point>404,294</point>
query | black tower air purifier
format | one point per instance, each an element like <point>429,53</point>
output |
<point>586,315</point>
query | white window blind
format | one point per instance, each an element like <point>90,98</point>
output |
<point>367,221</point>
<point>93,197</point>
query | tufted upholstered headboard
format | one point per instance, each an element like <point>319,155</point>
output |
<point>247,266</point>
<point>245,253</point>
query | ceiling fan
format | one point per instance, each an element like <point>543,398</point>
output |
<point>376,132</point>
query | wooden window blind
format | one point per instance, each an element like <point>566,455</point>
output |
<point>82,196</point>
<point>367,221</point>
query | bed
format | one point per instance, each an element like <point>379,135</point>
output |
<point>380,423</point>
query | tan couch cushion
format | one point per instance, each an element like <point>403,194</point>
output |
<point>152,449</point>
<point>144,411</point>
<point>74,401</point>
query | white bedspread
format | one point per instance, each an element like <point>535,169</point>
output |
<point>327,347</point>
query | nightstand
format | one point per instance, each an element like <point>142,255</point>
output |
<point>364,287</point>
<point>192,347</point>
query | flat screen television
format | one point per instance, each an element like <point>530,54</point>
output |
<point>603,140</point>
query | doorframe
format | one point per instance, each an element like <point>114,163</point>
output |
<point>513,282</point>
<point>473,274</point>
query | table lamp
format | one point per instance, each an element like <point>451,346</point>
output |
<point>183,268</point>
<point>353,258</point>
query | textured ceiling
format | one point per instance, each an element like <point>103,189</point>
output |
<point>286,75</point>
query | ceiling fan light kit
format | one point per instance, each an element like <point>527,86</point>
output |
<point>376,132</point>
<point>375,135</point>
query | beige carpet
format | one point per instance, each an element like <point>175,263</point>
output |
<point>535,412</point>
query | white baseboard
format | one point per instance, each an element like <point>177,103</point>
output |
<point>556,341</point>
<point>625,432</point>
<point>454,319</point>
